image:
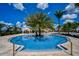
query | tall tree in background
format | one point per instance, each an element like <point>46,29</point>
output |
<point>58,14</point>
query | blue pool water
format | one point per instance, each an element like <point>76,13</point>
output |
<point>47,42</point>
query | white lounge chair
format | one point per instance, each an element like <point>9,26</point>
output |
<point>74,33</point>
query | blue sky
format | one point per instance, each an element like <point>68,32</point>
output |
<point>13,13</point>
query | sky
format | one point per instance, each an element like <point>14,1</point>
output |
<point>18,12</point>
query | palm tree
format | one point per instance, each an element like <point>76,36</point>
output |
<point>70,27</point>
<point>66,27</point>
<point>1,26</point>
<point>74,25</point>
<point>38,22</point>
<point>58,14</point>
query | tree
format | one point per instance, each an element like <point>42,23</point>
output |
<point>3,29</point>
<point>58,14</point>
<point>39,21</point>
<point>1,25</point>
<point>70,27</point>
<point>67,27</point>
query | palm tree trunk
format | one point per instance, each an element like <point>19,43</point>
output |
<point>59,26</point>
<point>36,33</point>
<point>39,31</point>
<point>58,29</point>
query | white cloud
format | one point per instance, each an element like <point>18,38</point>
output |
<point>72,12</point>
<point>18,24</point>
<point>2,22</point>
<point>56,25</point>
<point>68,21</point>
<point>71,8</point>
<point>42,6</point>
<point>69,16</point>
<point>49,12</point>
<point>6,23</point>
<point>18,6</point>
<point>10,23</point>
<point>24,25</point>
<point>76,10</point>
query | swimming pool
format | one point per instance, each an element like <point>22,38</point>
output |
<point>47,42</point>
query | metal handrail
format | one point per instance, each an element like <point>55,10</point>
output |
<point>14,48</point>
<point>71,46</point>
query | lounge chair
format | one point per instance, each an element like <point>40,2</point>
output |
<point>74,34</point>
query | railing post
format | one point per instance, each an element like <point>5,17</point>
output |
<point>13,49</point>
<point>71,49</point>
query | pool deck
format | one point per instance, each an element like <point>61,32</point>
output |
<point>6,48</point>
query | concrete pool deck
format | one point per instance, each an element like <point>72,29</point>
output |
<point>6,48</point>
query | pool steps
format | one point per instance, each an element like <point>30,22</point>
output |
<point>62,47</point>
<point>20,48</point>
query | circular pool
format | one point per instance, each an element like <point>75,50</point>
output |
<point>46,42</point>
